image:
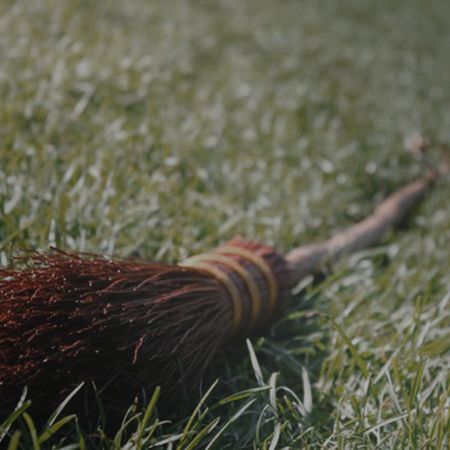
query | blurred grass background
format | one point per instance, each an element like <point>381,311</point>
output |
<point>158,129</point>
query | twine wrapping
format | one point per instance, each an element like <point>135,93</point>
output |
<point>235,267</point>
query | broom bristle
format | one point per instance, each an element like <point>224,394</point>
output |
<point>128,326</point>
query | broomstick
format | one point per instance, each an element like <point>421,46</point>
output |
<point>130,326</point>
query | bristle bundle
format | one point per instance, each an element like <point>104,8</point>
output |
<point>129,326</point>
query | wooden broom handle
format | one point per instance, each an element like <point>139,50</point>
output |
<point>307,259</point>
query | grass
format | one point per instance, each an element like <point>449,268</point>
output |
<point>159,129</point>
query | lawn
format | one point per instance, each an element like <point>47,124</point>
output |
<point>158,129</point>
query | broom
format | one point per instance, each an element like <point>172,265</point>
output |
<point>130,326</point>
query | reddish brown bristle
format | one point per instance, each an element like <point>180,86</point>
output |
<point>126,325</point>
<point>129,326</point>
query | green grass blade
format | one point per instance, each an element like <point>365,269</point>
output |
<point>49,432</point>
<point>32,430</point>
<point>201,434</point>
<point>275,437</point>
<point>14,441</point>
<point>243,395</point>
<point>190,422</point>
<point>6,425</point>
<point>307,394</point>
<point>129,417</point>
<point>356,356</point>
<point>233,419</point>
<point>255,364</point>
<point>62,405</point>
<point>148,413</point>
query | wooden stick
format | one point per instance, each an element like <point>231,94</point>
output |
<point>307,259</point>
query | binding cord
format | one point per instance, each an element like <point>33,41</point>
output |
<point>227,261</point>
